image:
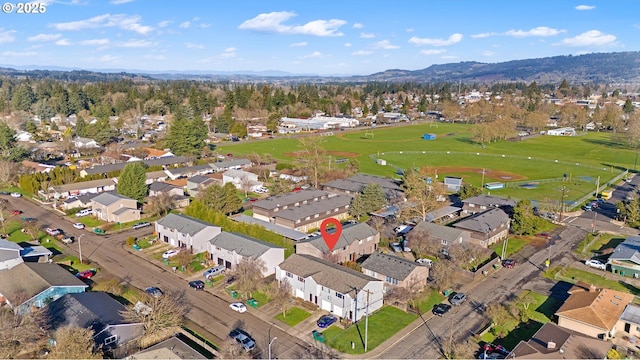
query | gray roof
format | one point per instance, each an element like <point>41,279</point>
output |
<point>199,179</point>
<point>91,310</point>
<point>108,198</point>
<point>156,174</point>
<point>84,185</point>
<point>568,345</point>
<point>243,245</point>
<point>190,169</point>
<point>358,182</point>
<point>314,207</point>
<point>29,279</point>
<point>442,212</point>
<point>349,235</point>
<point>628,250</point>
<point>36,250</point>
<point>280,230</point>
<point>172,348</point>
<point>327,274</point>
<point>389,265</point>
<point>291,198</point>
<point>437,231</point>
<point>221,165</point>
<point>484,222</point>
<point>9,245</point>
<point>631,314</point>
<point>170,160</point>
<point>489,200</point>
<point>159,186</point>
<point>184,224</point>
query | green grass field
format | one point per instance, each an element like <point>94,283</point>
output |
<point>582,159</point>
<point>294,316</point>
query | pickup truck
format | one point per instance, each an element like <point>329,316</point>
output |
<point>67,240</point>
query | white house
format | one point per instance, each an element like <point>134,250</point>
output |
<point>242,180</point>
<point>342,291</point>
<point>229,249</point>
<point>565,131</point>
<point>186,232</point>
<point>80,142</point>
<point>23,136</point>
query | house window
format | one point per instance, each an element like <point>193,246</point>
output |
<point>296,204</point>
<point>307,218</point>
<point>284,207</point>
<point>338,295</point>
<point>289,275</point>
<point>328,212</point>
<point>111,339</point>
<point>472,205</point>
<point>301,279</point>
<point>276,210</point>
<point>443,242</point>
<point>316,215</point>
<point>360,242</point>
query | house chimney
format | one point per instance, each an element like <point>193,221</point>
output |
<point>592,288</point>
<point>551,345</point>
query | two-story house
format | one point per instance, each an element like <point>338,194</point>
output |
<point>242,180</point>
<point>355,184</point>
<point>344,292</point>
<point>396,271</point>
<point>482,203</point>
<point>229,249</point>
<point>165,189</point>
<point>186,232</point>
<point>81,188</point>
<point>354,241</point>
<point>266,209</point>
<point>443,235</point>
<point>113,207</point>
<point>199,183</point>
<point>486,228</point>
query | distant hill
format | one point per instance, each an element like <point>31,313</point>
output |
<point>610,68</point>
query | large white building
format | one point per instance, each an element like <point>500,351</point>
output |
<point>288,125</point>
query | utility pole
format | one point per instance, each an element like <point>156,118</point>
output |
<point>562,202</point>
<point>366,323</point>
<point>597,187</point>
<point>482,185</point>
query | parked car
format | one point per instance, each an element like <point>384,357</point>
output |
<point>326,320</point>
<point>491,348</point>
<point>544,235</point>
<point>170,253</point>
<point>29,219</point>
<point>84,212</point>
<point>87,274</point>
<point>441,309</point>
<point>140,225</point>
<point>214,271</point>
<point>52,231</point>
<point>509,263</point>
<point>78,226</point>
<point>238,307</point>
<point>587,207</point>
<point>17,212</point>
<point>402,229</point>
<point>16,194</point>
<point>396,247</point>
<point>196,284</point>
<point>427,262</point>
<point>243,338</point>
<point>457,298</point>
<point>4,193</point>
<point>154,291</point>
<point>67,240</point>
<point>596,264</point>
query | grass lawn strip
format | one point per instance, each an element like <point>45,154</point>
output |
<point>573,275</point>
<point>383,324</point>
<point>428,299</point>
<point>293,316</point>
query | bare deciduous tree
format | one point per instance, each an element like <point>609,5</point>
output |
<point>231,349</point>
<point>312,158</point>
<point>422,194</point>
<point>423,243</point>
<point>160,204</point>
<point>280,293</point>
<point>74,343</point>
<point>248,274</point>
<point>20,333</point>
<point>166,314</point>
<point>443,273</point>
<point>8,172</point>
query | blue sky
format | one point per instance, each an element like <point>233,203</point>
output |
<point>310,36</point>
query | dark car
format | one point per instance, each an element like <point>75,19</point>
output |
<point>441,309</point>
<point>508,263</point>
<point>326,321</point>
<point>17,212</point>
<point>197,284</point>
<point>457,298</point>
<point>29,219</point>
<point>154,291</point>
<point>243,338</point>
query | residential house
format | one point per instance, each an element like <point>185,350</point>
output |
<point>32,284</point>
<point>242,180</point>
<point>355,184</point>
<point>354,241</point>
<point>453,183</point>
<point>346,293</point>
<point>309,216</point>
<point>82,187</point>
<point>165,162</point>
<point>555,342</point>
<point>155,176</point>
<point>80,201</point>
<point>171,349</point>
<point>113,207</point>
<point>232,164</point>
<point>157,154</point>
<point>23,136</point>
<point>80,142</point>
<point>629,322</point>
<point>440,234</point>
<point>176,193</point>
<point>9,254</point>
<point>593,311</point>
<point>625,259</point>
<point>280,230</point>
<point>443,214</point>
<point>37,167</point>
<point>229,249</point>
<point>189,171</point>
<point>266,209</point>
<point>256,131</point>
<point>295,176</point>
<point>96,311</point>
<point>486,228</point>
<point>198,183</point>
<point>481,203</point>
<point>396,271</point>
<point>186,232</point>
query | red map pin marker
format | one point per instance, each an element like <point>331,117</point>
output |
<point>331,239</point>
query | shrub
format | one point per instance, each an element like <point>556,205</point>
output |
<point>131,240</point>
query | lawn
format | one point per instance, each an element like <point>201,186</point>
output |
<point>515,244</point>
<point>581,158</point>
<point>383,324</point>
<point>293,316</point>
<point>428,299</point>
<point>89,221</point>
<point>74,263</point>
<point>262,297</point>
<point>575,275</point>
<point>597,245</point>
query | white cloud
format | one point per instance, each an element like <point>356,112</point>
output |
<point>315,54</point>
<point>44,37</point>
<point>63,42</point>
<point>299,44</point>
<point>449,57</point>
<point>358,26</point>
<point>272,22</point>
<point>228,53</point>
<point>122,21</point>
<point>107,58</point>
<point>136,44</point>
<point>165,23</point>
<point>483,35</point>
<point>433,51</point>
<point>362,53</point>
<point>95,42</point>
<point>385,44</point>
<point>585,7</point>
<point>348,44</point>
<point>367,35</point>
<point>19,53</point>
<point>538,31</point>
<point>7,36</point>
<point>487,53</point>
<point>590,38</point>
<point>453,39</point>
<point>185,25</point>
<point>193,46</point>
<point>120,2</point>
<point>409,30</point>
<point>204,26</point>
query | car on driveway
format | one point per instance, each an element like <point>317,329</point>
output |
<point>53,231</point>
<point>427,262</point>
<point>214,271</point>
<point>441,309</point>
<point>154,291</point>
<point>17,212</point>
<point>196,284</point>
<point>396,247</point>
<point>238,307</point>
<point>597,264</point>
<point>326,320</point>
<point>508,263</point>
<point>243,338</point>
<point>16,194</point>
<point>170,253</point>
<point>140,225</point>
<point>87,274</point>
<point>457,298</point>
<point>78,226</point>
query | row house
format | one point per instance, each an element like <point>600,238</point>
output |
<point>486,228</point>
<point>266,209</point>
<point>354,241</point>
<point>310,216</point>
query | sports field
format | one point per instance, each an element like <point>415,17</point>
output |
<point>574,162</point>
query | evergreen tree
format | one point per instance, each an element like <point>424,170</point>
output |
<point>373,197</point>
<point>468,190</point>
<point>524,221</point>
<point>222,199</point>
<point>131,182</point>
<point>358,207</point>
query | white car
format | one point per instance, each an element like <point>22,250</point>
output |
<point>16,194</point>
<point>78,226</point>
<point>596,264</point>
<point>238,306</point>
<point>170,253</point>
<point>427,262</point>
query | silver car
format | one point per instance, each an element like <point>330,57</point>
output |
<point>457,298</point>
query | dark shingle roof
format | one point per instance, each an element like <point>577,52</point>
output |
<point>484,222</point>
<point>159,186</point>
<point>94,310</point>
<point>389,265</point>
<point>84,185</point>
<point>243,245</point>
<point>170,160</point>
<point>314,207</point>
<point>628,250</point>
<point>358,182</point>
<point>108,198</point>
<point>221,165</point>
<point>29,279</point>
<point>350,234</point>
<point>438,231</point>
<point>183,223</point>
<point>489,200</point>
<point>288,199</point>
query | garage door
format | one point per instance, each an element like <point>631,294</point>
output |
<point>299,293</point>
<point>337,311</point>
<point>326,305</point>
